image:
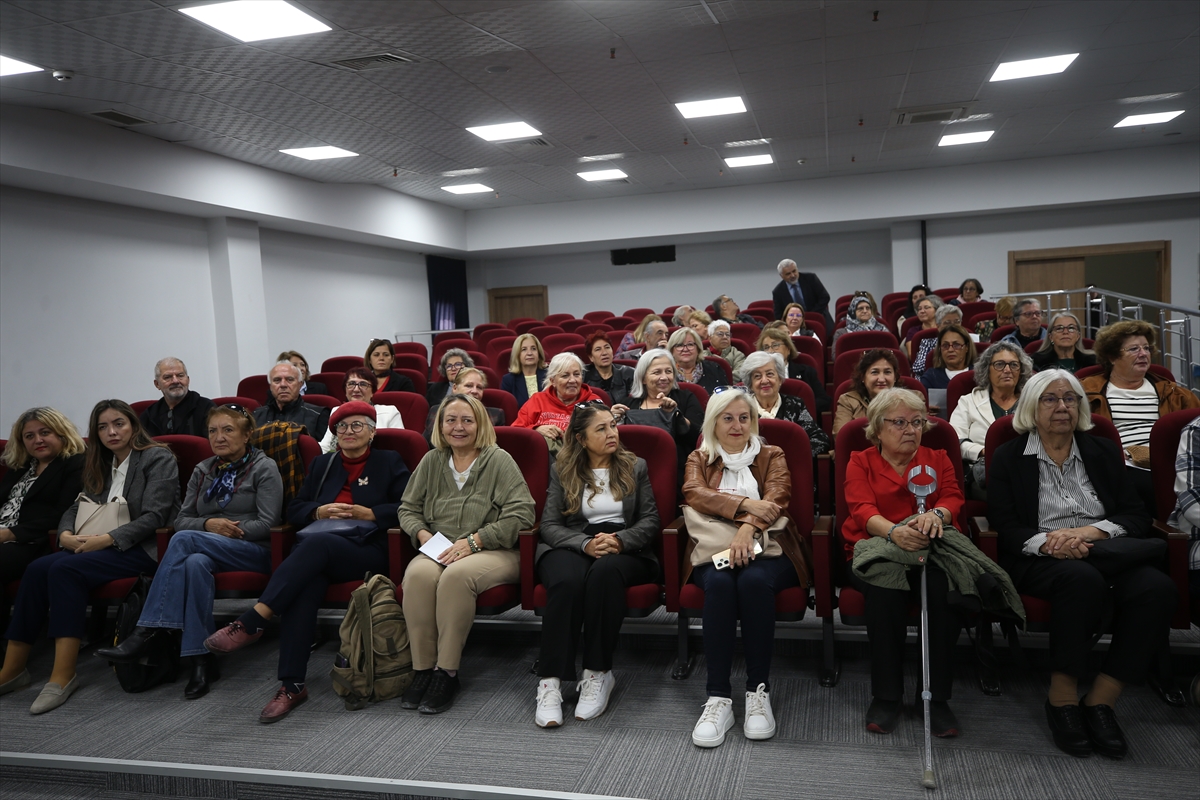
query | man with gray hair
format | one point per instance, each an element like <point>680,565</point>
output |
<point>680,318</point>
<point>1028,316</point>
<point>285,403</point>
<point>804,288</point>
<point>180,411</point>
<point>720,341</point>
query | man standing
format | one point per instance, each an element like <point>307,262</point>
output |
<point>180,410</point>
<point>1028,316</point>
<point>804,288</point>
<point>285,403</point>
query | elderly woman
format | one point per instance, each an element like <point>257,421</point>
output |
<point>471,381</point>
<point>1055,496</point>
<point>763,374</point>
<point>451,362</point>
<point>473,494</point>
<point>359,386</point>
<point>657,400</point>
<point>880,504</point>
<point>682,315</point>
<point>121,462</point>
<point>699,321</point>
<point>650,333</point>
<point>860,316</point>
<point>953,355</point>
<point>526,369</point>
<point>928,309</point>
<point>775,339</point>
<point>348,501</point>
<point>549,411</point>
<point>379,360</point>
<point>687,347</point>
<point>596,540</point>
<point>1004,316</point>
<point>743,485</point>
<point>306,386</point>
<point>969,291</point>
<point>233,499</point>
<point>601,372</point>
<point>1063,348</point>
<point>793,320</point>
<point>1000,374</point>
<point>724,308</point>
<point>720,341</point>
<point>914,296</point>
<point>44,457</point>
<point>875,371</point>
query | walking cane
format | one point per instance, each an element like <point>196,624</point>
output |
<point>921,491</point>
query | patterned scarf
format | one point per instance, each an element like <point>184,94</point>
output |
<point>227,477</point>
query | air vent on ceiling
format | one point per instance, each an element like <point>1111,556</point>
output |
<point>375,61</point>
<point>919,116</point>
<point>524,144</point>
<point>118,118</point>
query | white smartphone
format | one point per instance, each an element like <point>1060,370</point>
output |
<point>721,559</point>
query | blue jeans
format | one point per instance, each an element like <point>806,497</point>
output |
<point>181,596</point>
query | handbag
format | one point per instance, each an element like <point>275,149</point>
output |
<point>1114,557</point>
<point>93,519</point>
<point>710,535</point>
<point>652,418</point>
<point>356,530</point>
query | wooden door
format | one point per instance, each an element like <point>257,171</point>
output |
<point>511,302</point>
<point>1031,276</point>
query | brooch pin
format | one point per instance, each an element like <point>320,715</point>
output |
<point>363,481</point>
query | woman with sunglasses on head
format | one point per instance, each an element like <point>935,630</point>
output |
<point>596,540</point>
<point>1000,375</point>
<point>359,386</point>
<point>233,499</point>
<point>1063,347</point>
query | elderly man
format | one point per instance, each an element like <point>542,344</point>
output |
<point>724,308</point>
<point>721,342</point>
<point>286,404</point>
<point>804,288</point>
<point>680,317</point>
<point>180,410</point>
<point>1028,316</point>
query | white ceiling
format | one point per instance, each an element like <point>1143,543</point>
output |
<point>600,77</point>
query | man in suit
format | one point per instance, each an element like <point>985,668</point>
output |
<point>804,288</point>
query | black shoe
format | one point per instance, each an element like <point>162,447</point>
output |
<point>416,690</point>
<point>883,715</point>
<point>942,722</point>
<point>1103,731</point>
<point>133,647</point>
<point>204,673</point>
<point>440,695</point>
<point>1070,735</point>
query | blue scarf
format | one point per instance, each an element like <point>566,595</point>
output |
<point>226,481</point>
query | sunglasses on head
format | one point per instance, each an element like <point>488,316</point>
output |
<point>720,389</point>
<point>245,412</point>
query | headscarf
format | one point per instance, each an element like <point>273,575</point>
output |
<point>852,323</point>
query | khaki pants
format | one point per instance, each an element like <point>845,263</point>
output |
<point>439,602</point>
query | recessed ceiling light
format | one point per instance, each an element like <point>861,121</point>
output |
<point>747,142</point>
<point>603,175</point>
<point>711,108</point>
<point>750,161</point>
<point>468,188</point>
<point>965,138</point>
<point>1051,65</point>
<point>318,153</point>
<point>458,173</point>
<point>255,20</point>
<point>1148,119</point>
<point>10,66</point>
<point>969,118</point>
<point>505,131</point>
<point>607,157</point>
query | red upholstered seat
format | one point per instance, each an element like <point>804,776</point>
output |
<point>556,343</point>
<point>959,385</point>
<point>558,319</point>
<point>410,347</point>
<point>809,346</point>
<point>499,352</point>
<point>460,340</point>
<point>341,363</point>
<point>413,408</point>
<point>254,386</point>
<point>245,402</point>
<point>413,361</point>
<point>335,384</point>
<point>697,390</point>
<point>498,398</point>
<point>598,316</point>
<point>139,406</point>
<point>859,340</point>
<point>483,335</point>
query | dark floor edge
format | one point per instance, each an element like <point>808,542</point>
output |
<point>308,780</point>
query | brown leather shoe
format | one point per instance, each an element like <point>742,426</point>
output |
<point>232,637</point>
<point>282,704</point>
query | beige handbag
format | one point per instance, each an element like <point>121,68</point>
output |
<point>94,518</point>
<point>711,535</point>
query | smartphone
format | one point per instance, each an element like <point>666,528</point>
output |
<point>721,559</point>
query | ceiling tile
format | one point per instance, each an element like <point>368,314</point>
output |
<point>153,33</point>
<point>351,14</point>
<point>14,17</point>
<point>59,47</point>
<point>68,10</point>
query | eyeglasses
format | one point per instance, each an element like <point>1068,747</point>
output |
<point>953,346</point>
<point>719,389</point>
<point>899,425</point>
<point>1052,401</point>
<point>1031,314</point>
<point>689,345</point>
<point>356,426</point>
<point>1002,366</point>
<point>455,365</point>
<point>358,385</point>
<point>1064,329</point>
<point>1138,348</point>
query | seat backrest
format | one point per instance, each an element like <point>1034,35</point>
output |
<point>858,340</point>
<point>413,408</point>
<point>410,347</point>
<point>697,390</point>
<point>412,361</point>
<point>640,313</point>
<point>976,307</point>
<point>139,406</point>
<point>1002,431</point>
<point>461,341</point>
<point>528,449</point>
<point>542,331</point>
<point>745,331</point>
<point>448,335</point>
<point>909,324</point>
<point>558,319</point>
<point>493,377</point>
<point>254,386</point>
<point>527,326</point>
<point>657,449</point>
<point>322,400</point>
<point>958,386</point>
<point>809,346</point>
<point>1164,444</point>
<point>556,343</point>
<point>603,396</point>
<point>335,383</point>
<point>410,444</point>
<point>798,388</point>
<point>420,382</point>
<point>598,316</point>
<point>1001,332</point>
<point>844,364</point>
<point>499,352</point>
<point>498,398</point>
<point>1033,347</point>
<point>310,448</point>
<point>484,327</point>
<point>341,363</point>
<point>947,294</point>
<point>766,305</point>
<point>726,370</point>
<point>491,334</point>
<point>975,319</point>
<point>618,323</point>
<point>247,403</point>
<point>797,451</point>
<point>581,326</point>
<point>479,357</point>
<point>189,451</point>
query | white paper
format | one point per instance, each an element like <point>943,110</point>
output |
<point>436,545</point>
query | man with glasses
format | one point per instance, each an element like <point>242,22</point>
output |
<point>286,405</point>
<point>180,411</point>
<point>1028,316</point>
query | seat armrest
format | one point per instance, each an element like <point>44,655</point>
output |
<point>674,543</point>
<point>987,538</point>
<point>823,547</point>
<point>527,542</point>
<point>283,538</point>
<point>1177,566</point>
<point>396,539</point>
<point>162,539</point>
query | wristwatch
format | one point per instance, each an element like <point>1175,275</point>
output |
<point>940,515</point>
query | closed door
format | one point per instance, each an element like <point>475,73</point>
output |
<point>512,302</point>
<point>1031,276</point>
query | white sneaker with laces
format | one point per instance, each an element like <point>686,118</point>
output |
<point>715,720</point>
<point>759,721</point>
<point>549,703</point>
<point>594,690</point>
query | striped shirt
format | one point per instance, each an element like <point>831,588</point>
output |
<point>1066,498</point>
<point>1134,412</point>
<point>1186,515</point>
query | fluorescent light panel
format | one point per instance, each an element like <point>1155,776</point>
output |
<point>10,66</point>
<point>711,108</point>
<point>319,153</point>
<point>965,138</point>
<point>505,131</point>
<point>255,20</point>
<point>747,142</point>
<point>750,161</point>
<point>1148,119</point>
<point>1051,65</point>
<point>603,175</point>
<point>468,188</point>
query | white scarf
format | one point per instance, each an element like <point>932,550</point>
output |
<point>737,477</point>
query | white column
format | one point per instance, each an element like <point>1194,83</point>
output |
<point>906,255</point>
<point>239,301</point>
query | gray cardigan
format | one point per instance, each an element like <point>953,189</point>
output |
<point>642,525</point>
<point>257,503</point>
<point>152,492</point>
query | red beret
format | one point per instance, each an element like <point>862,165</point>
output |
<point>352,409</point>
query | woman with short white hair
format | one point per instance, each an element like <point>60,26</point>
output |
<point>763,374</point>
<point>549,411</point>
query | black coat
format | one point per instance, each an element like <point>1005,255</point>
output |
<point>1048,359</point>
<point>47,499</point>
<point>803,372</point>
<point>395,382</point>
<point>379,488</point>
<point>314,418</point>
<point>814,292</point>
<point>189,417</point>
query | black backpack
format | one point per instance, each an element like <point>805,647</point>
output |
<point>160,664</point>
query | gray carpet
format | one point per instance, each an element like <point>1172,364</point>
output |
<point>641,747</point>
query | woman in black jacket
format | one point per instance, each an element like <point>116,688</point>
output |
<point>380,360</point>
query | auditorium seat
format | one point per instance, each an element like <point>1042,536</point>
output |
<point>809,346</point>
<point>542,331</point>
<point>498,398</point>
<point>335,383</point>
<point>482,337</point>
<point>556,343</point>
<point>342,363</point>
<point>619,323</point>
<point>245,402</point>
<point>499,352</point>
<point>598,316</point>
<point>527,326</point>
<point>420,382</point>
<point>413,408</point>
<point>959,385</point>
<point>1164,444</point>
<point>557,319</point>
<point>410,347</point>
<point>976,307</point>
<point>255,387</point>
<point>640,313</point>
<point>140,406</point>
<point>697,390</point>
<point>460,341</point>
<point>588,328</point>
<point>411,361</point>
<point>859,340</point>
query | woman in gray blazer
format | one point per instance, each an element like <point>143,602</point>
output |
<point>121,462</point>
<point>597,539</point>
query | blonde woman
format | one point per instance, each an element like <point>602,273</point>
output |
<point>526,369</point>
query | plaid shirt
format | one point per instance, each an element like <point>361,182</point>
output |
<point>281,442</point>
<point>1186,516</point>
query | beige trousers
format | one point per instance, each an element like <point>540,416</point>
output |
<point>439,602</point>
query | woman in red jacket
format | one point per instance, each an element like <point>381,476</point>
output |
<point>549,411</point>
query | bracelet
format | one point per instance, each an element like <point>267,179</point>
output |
<point>889,533</point>
<point>471,543</point>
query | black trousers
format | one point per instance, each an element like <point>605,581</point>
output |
<point>887,629</point>
<point>588,594</point>
<point>298,586</point>
<point>1141,602</point>
<point>16,556</point>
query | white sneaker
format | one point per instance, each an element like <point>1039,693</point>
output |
<point>715,720</point>
<point>594,690</point>
<point>549,703</point>
<point>760,721</point>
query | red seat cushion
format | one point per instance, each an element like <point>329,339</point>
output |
<point>1036,610</point>
<point>691,597</point>
<point>340,592</point>
<point>240,581</point>
<point>113,590</point>
<point>852,605</point>
<point>506,594</point>
<point>646,595</point>
<point>789,601</point>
